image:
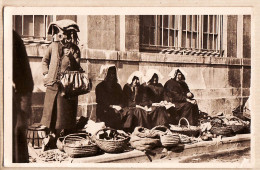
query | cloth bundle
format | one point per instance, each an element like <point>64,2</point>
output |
<point>92,127</point>
<point>144,139</point>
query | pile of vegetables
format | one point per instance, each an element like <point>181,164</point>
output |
<point>53,155</point>
<point>111,135</point>
<point>227,122</point>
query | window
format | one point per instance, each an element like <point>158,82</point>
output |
<point>32,27</point>
<point>183,34</point>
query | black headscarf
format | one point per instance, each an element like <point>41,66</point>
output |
<point>176,73</point>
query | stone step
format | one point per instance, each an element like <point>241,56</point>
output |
<point>206,147</point>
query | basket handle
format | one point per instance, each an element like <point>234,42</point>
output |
<point>75,135</point>
<point>183,118</point>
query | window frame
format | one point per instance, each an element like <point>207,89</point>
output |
<point>213,35</point>
<point>46,20</point>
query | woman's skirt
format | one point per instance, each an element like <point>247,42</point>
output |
<point>109,116</point>
<point>185,109</point>
<point>59,112</point>
<point>133,117</point>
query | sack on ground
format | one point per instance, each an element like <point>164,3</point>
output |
<point>144,139</point>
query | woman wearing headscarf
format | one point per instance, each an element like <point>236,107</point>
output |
<point>59,112</point>
<point>109,98</point>
<point>132,91</point>
<point>152,92</point>
<point>177,91</point>
<point>132,95</point>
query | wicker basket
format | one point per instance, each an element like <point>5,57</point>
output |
<point>169,140</point>
<point>113,146</point>
<point>189,130</point>
<point>79,151</point>
<point>238,129</point>
<point>224,130</point>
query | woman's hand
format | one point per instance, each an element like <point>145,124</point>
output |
<point>118,108</point>
<point>190,95</point>
<point>192,101</point>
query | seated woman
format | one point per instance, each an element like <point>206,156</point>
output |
<point>177,91</point>
<point>152,92</point>
<point>132,93</point>
<point>138,98</point>
<point>109,98</point>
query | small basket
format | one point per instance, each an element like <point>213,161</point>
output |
<point>113,146</point>
<point>169,140</point>
<point>79,151</point>
<point>189,131</point>
<point>223,131</point>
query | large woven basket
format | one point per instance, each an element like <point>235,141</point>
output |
<point>189,130</point>
<point>111,146</point>
<point>79,151</point>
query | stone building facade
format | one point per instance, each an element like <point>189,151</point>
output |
<point>215,51</point>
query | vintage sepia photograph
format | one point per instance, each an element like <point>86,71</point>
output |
<point>156,88</point>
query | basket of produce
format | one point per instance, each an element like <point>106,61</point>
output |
<point>186,130</point>
<point>79,145</point>
<point>111,140</point>
<point>238,126</point>
<point>222,130</point>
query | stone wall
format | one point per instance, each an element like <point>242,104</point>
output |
<point>215,82</point>
<point>218,83</point>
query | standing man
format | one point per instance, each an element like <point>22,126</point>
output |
<point>22,91</point>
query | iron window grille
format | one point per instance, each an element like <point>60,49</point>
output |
<point>182,34</point>
<point>33,28</point>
